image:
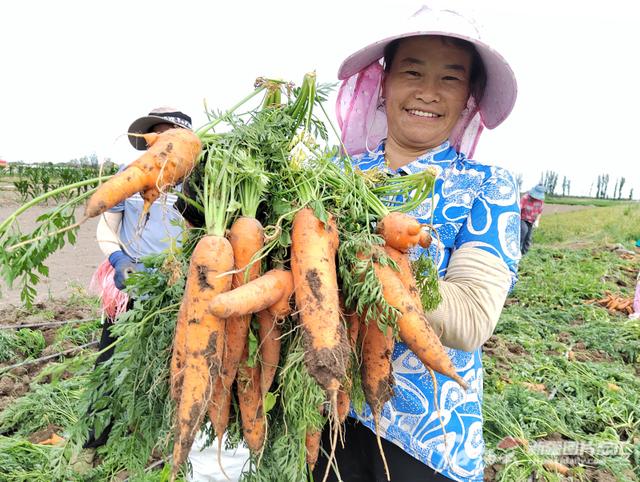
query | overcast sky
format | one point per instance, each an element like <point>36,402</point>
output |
<point>74,74</point>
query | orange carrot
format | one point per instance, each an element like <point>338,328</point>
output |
<point>313,252</point>
<point>257,295</point>
<point>406,274</point>
<point>377,377</point>
<point>401,231</point>
<point>282,308</point>
<point>344,397</point>
<point>413,327</point>
<point>246,237</point>
<point>250,401</point>
<point>178,355</point>
<point>377,372</point>
<point>269,333</point>
<point>204,339</point>
<point>170,157</point>
<point>353,323</point>
<point>425,239</point>
<point>312,444</point>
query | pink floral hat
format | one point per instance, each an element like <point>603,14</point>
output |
<point>363,123</point>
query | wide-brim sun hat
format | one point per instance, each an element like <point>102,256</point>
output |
<point>501,88</point>
<point>537,192</point>
<point>160,115</point>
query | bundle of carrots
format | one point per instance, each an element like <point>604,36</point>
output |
<point>298,284</point>
<point>336,243</point>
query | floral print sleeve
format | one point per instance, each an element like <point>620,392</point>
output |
<point>493,223</point>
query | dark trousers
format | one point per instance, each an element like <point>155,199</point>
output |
<point>106,339</point>
<point>360,461</point>
<point>526,232</point>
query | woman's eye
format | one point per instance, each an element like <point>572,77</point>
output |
<point>412,73</point>
<point>450,77</point>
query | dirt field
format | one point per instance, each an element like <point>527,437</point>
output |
<point>71,268</point>
<point>562,208</point>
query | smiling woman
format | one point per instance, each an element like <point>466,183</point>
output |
<point>425,90</point>
<point>440,86</point>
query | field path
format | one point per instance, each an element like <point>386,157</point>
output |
<point>563,208</point>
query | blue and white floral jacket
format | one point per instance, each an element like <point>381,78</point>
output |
<point>474,205</point>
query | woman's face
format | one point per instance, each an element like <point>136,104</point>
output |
<point>425,91</point>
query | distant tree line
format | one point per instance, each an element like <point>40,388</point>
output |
<point>549,179</point>
<point>602,185</point>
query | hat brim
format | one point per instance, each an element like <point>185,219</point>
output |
<point>501,89</point>
<point>538,196</point>
<point>143,125</point>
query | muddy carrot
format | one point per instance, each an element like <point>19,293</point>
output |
<point>178,354</point>
<point>246,237</point>
<point>269,333</point>
<point>313,251</point>
<point>413,327</point>
<point>170,157</point>
<point>250,401</point>
<point>344,397</point>
<point>204,343</point>
<point>312,446</point>
<point>257,295</point>
<point>377,373</point>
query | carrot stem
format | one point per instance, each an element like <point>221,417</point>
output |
<point>203,130</point>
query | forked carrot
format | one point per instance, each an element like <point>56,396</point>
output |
<point>401,231</point>
<point>282,308</point>
<point>246,237</point>
<point>170,157</point>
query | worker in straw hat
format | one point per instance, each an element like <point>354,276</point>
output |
<point>124,235</point>
<point>124,240</point>
<point>419,98</point>
<point>531,205</point>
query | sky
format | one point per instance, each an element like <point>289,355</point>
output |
<point>75,74</point>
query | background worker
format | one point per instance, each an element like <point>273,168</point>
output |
<point>531,205</point>
<point>125,236</point>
